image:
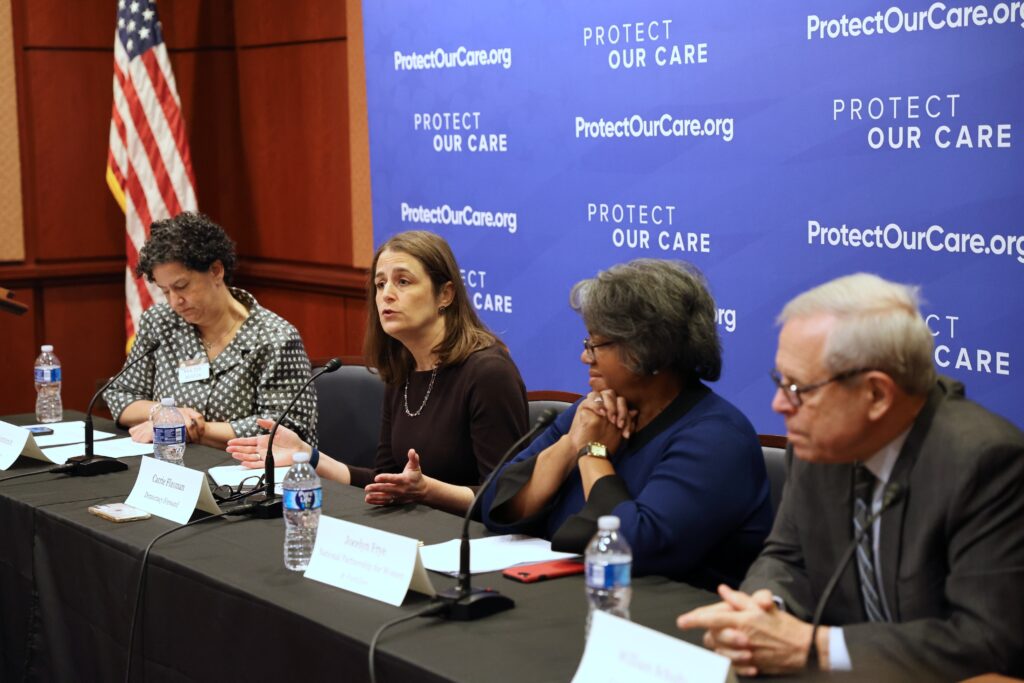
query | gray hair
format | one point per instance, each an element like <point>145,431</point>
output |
<point>659,312</point>
<point>879,326</point>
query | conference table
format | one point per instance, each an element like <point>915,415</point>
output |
<point>219,604</point>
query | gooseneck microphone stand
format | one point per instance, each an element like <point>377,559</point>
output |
<point>894,493</point>
<point>464,602</point>
<point>88,465</point>
<point>268,505</point>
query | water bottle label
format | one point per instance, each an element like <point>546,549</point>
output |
<point>608,576</point>
<point>47,375</point>
<point>303,499</point>
<point>169,436</point>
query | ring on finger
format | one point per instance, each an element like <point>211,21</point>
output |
<point>598,400</point>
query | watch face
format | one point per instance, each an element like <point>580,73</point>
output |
<point>597,450</point>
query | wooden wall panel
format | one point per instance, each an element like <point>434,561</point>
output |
<point>264,92</point>
<point>18,350</point>
<point>261,22</point>
<point>90,23</point>
<point>59,23</point>
<point>75,216</point>
<point>294,123</point>
<point>208,87</point>
<point>319,318</point>
<point>355,324</point>
<point>79,321</point>
<point>190,24</point>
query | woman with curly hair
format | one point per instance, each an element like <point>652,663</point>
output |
<point>226,360</point>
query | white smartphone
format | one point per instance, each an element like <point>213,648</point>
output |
<point>118,512</point>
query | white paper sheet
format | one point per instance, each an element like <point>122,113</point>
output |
<point>67,433</point>
<point>60,454</point>
<point>122,448</point>
<point>490,554</point>
<point>112,448</point>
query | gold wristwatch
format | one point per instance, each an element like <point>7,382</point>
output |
<point>594,450</point>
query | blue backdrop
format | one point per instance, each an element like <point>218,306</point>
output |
<point>774,145</point>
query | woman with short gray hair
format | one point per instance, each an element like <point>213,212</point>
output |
<point>651,443</point>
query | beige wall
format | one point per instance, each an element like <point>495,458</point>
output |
<point>359,139</point>
<point>12,242</point>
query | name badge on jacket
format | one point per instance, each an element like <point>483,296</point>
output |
<point>193,370</point>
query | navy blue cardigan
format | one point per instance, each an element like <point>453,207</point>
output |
<point>690,489</point>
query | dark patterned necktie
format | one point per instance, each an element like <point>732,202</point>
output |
<point>863,488</point>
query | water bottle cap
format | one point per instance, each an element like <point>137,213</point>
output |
<point>167,401</point>
<point>301,456</point>
<point>46,348</point>
<point>608,523</point>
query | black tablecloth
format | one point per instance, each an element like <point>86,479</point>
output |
<point>219,603</point>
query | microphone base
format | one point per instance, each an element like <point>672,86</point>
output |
<point>265,506</point>
<point>480,603</point>
<point>89,466</point>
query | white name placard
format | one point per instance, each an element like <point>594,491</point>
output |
<point>171,491</point>
<point>619,650</point>
<point>15,441</point>
<point>370,562</point>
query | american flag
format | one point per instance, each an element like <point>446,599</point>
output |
<point>149,168</point>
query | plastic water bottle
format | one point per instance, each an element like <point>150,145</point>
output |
<point>47,374</point>
<point>168,433</point>
<point>302,500</point>
<point>609,563</point>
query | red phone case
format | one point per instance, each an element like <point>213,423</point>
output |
<point>531,573</point>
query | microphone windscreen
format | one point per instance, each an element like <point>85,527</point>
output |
<point>332,365</point>
<point>546,418</point>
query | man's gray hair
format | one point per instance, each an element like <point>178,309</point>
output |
<point>659,312</point>
<point>879,326</point>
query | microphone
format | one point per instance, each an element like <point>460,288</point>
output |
<point>89,465</point>
<point>9,304</point>
<point>894,493</point>
<point>267,505</point>
<point>465,603</point>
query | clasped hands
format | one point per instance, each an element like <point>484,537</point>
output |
<point>604,417</point>
<point>409,486</point>
<point>754,633</point>
<point>195,426</point>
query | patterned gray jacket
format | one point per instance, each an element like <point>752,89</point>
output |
<point>255,376</point>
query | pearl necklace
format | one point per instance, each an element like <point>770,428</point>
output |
<point>424,404</point>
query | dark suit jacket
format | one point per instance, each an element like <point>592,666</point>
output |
<point>952,550</point>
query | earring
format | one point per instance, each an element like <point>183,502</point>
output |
<point>441,309</point>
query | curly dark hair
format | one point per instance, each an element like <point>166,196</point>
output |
<point>191,239</point>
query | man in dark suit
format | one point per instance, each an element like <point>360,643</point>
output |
<point>935,588</point>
